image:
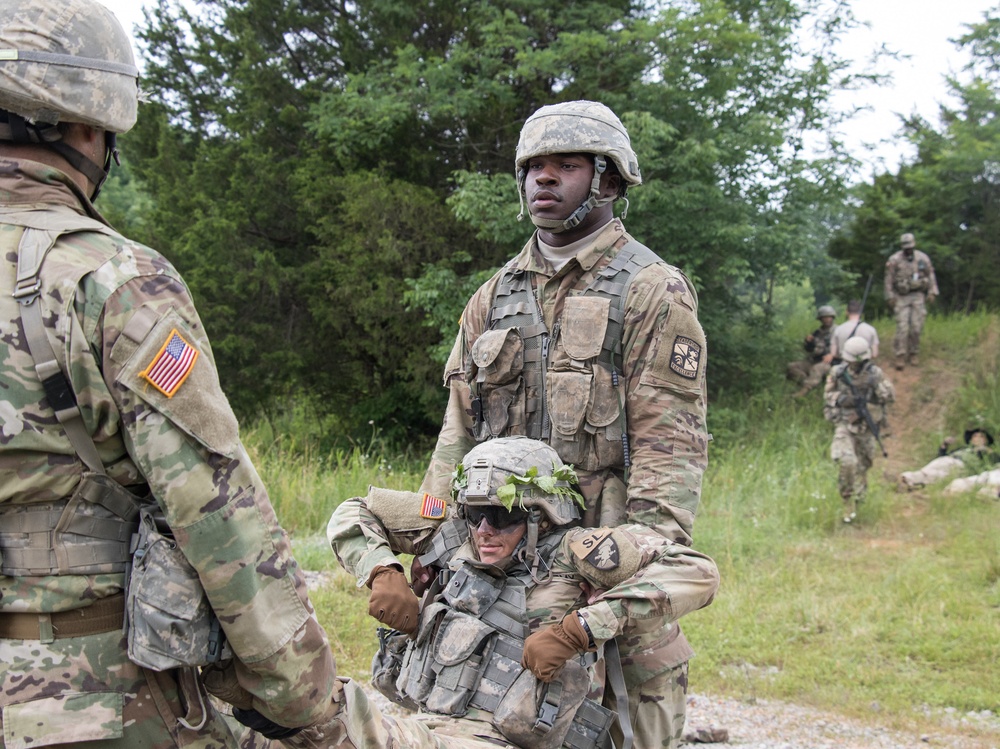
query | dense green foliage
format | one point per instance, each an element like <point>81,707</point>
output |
<point>949,197</point>
<point>334,180</point>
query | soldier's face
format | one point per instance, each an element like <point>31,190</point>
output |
<point>826,321</point>
<point>556,185</point>
<point>494,545</point>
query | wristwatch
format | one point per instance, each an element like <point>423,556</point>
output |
<point>591,645</point>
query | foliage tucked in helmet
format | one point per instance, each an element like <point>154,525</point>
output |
<point>67,61</point>
<point>577,127</point>
<point>856,348</point>
<point>510,471</point>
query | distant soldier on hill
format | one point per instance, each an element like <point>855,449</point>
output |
<point>855,399</point>
<point>909,282</point>
<point>854,326</point>
<point>809,372</point>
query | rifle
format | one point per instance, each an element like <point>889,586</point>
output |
<point>861,406</point>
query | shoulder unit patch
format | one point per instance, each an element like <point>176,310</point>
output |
<point>685,357</point>
<point>598,548</point>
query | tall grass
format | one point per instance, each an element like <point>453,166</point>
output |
<point>899,614</point>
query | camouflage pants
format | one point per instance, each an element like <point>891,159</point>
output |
<point>359,724</point>
<point>986,483</point>
<point>910,314</point>
<point>936,470</point>
<point>854,453</point>
<point>657,708</point>
<point>808,374</point>
<point>83,691</point>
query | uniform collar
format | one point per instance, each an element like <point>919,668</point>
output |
<point>30,185</point>
<point>531,260</point>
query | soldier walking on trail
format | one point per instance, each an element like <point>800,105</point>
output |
<point>909,283</point>
<point>589,341</point>
<point>116,437</point>
<point>514,644</point>
<point>809,372</point>
<point>853,326</point>
<point>855,399</point>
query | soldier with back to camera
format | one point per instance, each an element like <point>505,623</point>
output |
<point>120,457</point>
<point>589,341</point>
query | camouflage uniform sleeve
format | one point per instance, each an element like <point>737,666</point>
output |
<point>455,438</point>
<point>932,287</point>
<point>664,364</point>
<point>831,391</point>
<point>884,390</point>
<point>890,273</point>
<point>185,440</point>
<point>359,540</point>
<point>637,575</point>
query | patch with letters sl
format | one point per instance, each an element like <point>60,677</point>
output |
<point>432,507</point>
<point>171,365</point>
<point>685,357</point>
<point>598,549</point>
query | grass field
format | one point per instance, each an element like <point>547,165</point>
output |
<point>896,618</point>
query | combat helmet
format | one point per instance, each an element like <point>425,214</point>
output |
<point>856,348</point>
<point>65,61</point>
<point>906,241</point>
<point>825,311</point>
<point>577,127</point>
<point>523,476</point>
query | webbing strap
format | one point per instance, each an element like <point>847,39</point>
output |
<point>31,253</point>
<point>616,680</point>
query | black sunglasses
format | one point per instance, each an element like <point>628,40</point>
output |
<point>497,517</point>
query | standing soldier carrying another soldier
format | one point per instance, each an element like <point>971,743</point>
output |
<point>117,438</point>
<point>809,372</point>
<point>589,341</point>
<point>909,283</point>
<point>855,399</point>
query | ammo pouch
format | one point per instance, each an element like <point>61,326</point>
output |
<point>170,622</point>
<point>557,714</point>
<point>386,665</point>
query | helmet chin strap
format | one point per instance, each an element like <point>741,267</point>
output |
<point>557,226</point>
<point>19,130</point>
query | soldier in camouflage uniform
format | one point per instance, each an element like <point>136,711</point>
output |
<point>809,372</point>
<point>855,381</point>
<point>525,599</point>
<point>111,410</point>
<point>909,282</point>
<point>590,342</point>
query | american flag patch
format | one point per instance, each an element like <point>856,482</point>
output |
<point>432,508</point>
<point>171,365</point>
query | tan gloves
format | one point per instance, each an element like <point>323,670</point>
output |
<point>221,681</point>
<point>392,602</point>
<point>547,650</point>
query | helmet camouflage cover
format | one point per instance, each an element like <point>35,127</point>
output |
<point>510,471</point>
<point>67,61</point>
<point>577,127</point>
<point>856,348</point>
<point>907,241</point>
<point>825,311</point>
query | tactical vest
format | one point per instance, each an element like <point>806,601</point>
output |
<point>467,650</point>
<point>577,405</point>
<point>910,275</point>
<point>866,386</point>
<point>90,532</point>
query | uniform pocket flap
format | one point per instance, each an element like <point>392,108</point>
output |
<point>487,350</point>
<point>604,406</point>
<point>459,638</point>
<point>66,719</point>
<point>584,324</point>
<point>568,396</point>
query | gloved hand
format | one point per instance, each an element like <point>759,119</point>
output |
<point>264,726</point>
<point>392,602</point>
<point>547,650</point>
<point>845,400</point>
<point>220,681</point>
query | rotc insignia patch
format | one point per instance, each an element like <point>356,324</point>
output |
<point>171,365</point>
<point>598,549</point>
<point>432,508</point>
<point>685,357</point>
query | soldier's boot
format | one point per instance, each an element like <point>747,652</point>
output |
<point>914,360</point>
<point>850,510</point>
<point>900,362</point>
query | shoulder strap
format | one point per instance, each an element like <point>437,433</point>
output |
<point>31,252</point>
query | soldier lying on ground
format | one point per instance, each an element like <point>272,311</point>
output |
<point>977,455</point>
<point>508,644</point>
